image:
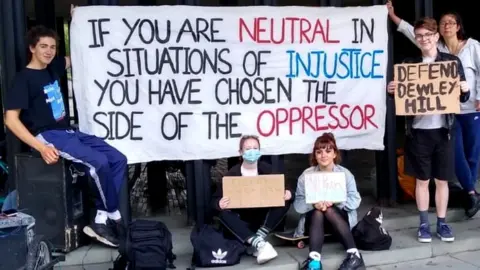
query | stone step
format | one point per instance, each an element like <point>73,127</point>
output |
<point>405,247</point>
<point>400,221</point>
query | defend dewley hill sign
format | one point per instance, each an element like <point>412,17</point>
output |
<point>185,82</point>
<point>325,187</point>
<point>424,89</point>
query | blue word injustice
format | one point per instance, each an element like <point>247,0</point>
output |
<point>346,64</point>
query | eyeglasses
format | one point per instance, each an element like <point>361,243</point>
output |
<point>443,24</point>
<point>427,35</point>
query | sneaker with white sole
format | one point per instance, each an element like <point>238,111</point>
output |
<point>102,233</point>
<point>266,252</point>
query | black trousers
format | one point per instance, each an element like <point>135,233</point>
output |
<point>334,220</point>
<point>244,223</point>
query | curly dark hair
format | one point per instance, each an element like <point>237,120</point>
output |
<point>36,33</point>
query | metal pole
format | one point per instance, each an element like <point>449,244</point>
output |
<point>324,3</point>
<point>197,183</point>
<point>428,8</point>
<point>418,9</point>
<point>336,3</point>
<point>386,160</point>
<point>13,59</point>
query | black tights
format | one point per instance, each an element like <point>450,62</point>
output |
<point>337,220</point>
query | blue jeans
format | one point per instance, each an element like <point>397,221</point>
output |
<point>467,149</point>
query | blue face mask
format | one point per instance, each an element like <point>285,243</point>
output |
<point>251,155</point>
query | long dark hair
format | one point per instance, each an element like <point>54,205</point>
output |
<point>461,34</point>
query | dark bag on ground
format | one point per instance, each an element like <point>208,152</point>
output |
<point>148,247</point>
<point>212,249</point>
<point>369,233</point>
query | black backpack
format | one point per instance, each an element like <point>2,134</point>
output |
<point>148,247</point>
<point>369,233</point>
<point>212,249</point>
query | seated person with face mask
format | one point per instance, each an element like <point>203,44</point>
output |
<point>251,225</point>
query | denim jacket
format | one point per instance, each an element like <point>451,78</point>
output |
<point>350,205</point>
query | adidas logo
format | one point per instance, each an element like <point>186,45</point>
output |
<point>219,255</point>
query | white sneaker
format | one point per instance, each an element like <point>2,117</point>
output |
<point>266,252</point>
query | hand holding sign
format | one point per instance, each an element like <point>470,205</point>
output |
<point>464,86</point>
<point>223,203</point>
<point>323,206</point>
<point>391,87</point>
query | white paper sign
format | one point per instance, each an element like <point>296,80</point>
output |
<point>325,187</point>
<point>185,82</point>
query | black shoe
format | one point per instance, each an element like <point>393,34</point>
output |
<point>474,205</point>
<point>102,233</point>
<point>353,262</point>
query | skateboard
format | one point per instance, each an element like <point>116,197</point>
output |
<point>298,241</point>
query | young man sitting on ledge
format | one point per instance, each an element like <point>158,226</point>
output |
<point>35,113</point>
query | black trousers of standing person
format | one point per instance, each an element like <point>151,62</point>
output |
<point>334,219</point>
<point>244,223</point>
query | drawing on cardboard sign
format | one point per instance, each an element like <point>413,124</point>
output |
<point>325,187</point>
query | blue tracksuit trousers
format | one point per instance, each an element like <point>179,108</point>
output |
<point>107,166</point>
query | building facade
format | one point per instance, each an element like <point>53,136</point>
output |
<point>16,16</point>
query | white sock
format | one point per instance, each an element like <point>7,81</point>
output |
<point>354,251</point>
<point>114,215</point>
<point>315,255</point>
<point>257,242</point>
<point>101,217</point>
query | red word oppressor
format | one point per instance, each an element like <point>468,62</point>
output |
<point>305,119</point>
<point>285,30</point>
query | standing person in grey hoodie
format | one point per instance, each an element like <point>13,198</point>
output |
<point>467,125</point>
<point>340,217</point>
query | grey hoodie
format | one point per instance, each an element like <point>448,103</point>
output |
<point>470,57</point>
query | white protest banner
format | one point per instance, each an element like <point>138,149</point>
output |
<point>185,82</point>
<point>325,187</point>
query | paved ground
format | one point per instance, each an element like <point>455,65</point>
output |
<point>401,223</point>
<point>465,261</point>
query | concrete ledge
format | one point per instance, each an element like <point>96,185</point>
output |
<point>401,222</point>
<point>405,247</point>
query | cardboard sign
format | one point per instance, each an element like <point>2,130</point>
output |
<point>424,89</point>
<point>254,191</point>
<point>325,187</point>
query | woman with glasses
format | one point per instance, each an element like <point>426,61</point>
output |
<point>453,40</point>
<point>322,216</point>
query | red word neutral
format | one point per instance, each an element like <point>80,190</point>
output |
<point>285,30</point>
<point>306,119</point>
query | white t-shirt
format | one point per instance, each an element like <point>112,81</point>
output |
<point>248,172</point>
<point>428,121</point>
